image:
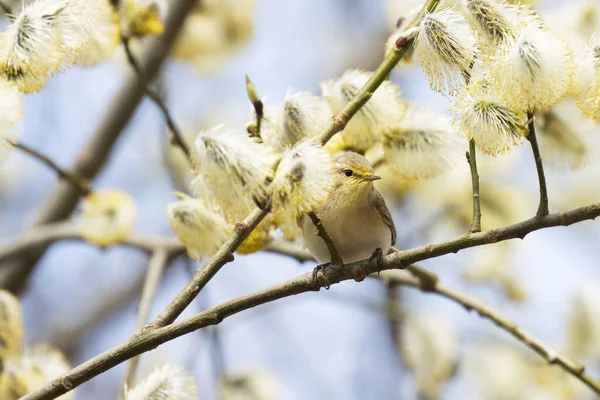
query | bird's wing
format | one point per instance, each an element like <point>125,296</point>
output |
<point>385,215</point>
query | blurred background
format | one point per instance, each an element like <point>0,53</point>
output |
<point>343,343</point>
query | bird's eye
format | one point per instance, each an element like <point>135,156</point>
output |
<point>348,172</point>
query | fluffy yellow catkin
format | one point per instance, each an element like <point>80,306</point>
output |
<point>301,115</point>
<point>11,112</point>
<point>421,145</point>
<point>447,49</point>
<point>482,116</point>
<point>199,227</point>
<point>11,325</point>
<point>302,182</point>
<point>231,169</point>
<point>169,382</point>
<point>44,38</point>
<point>587,79</point>
<point>381,111</point>
<point>533,71</point>
<point>107,217</point>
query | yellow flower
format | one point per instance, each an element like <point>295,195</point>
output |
<point>107,217</point>
<point>258,238</point>
<point>11,325</point>
<point>105,38</point>
<point>140,18</point>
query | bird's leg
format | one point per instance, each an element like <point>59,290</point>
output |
<point>376,259</point>
<point>318,268</point>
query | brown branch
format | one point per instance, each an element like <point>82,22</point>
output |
<point>205,274</point>
<point>289,249</point>
<point>336,259</point>
<point>543,205</point>
<point>472,159</point>
<point>176,135</point>
<point>6,9</point>
<point>61,203</point>
<point>485,311</point>
<point>79,182</point>
<point>149,339</point>
<point>156,266</point>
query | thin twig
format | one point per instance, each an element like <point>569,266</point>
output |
<point>177,136</point>
<point>156,266</point>
<point>485,311</point>
<point>543,206</point>
<point>78,181</point>
<point>336,259</point>
<point>92,158</point>
<point>257,104</point>
<point>289,249</point>
<point>149,339</point>
<point>472,159</point>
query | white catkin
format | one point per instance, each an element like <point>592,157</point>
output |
<point>166,383</point>
<point>381,111</point>
<point>447,49</point>
<point>303,180</point>
<point>422,145</point>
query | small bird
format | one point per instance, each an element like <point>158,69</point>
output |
<point>354,215</point>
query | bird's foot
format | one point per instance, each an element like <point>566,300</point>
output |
<point>315,274</point>
<point>376,260</point>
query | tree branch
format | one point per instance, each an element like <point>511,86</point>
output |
<point>336,259</point>
<point>60,204</point>
<point>485,311</point>
<point>472,159</point>
<point>156,266</point>
<point>286,248</point>
<point>79,182</point>
<point>543,206</point>
<point>149,339</point>
<point>176,135</point>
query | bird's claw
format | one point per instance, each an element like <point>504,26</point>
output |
<point>315,274</point>
<point>376,260</point>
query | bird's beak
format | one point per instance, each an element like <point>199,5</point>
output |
<point>371,178</point>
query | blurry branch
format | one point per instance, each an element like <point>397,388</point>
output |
<point>257,104</point>
<point>543,206</point>
<point>336,259</point>
<point>149,339</point>
<point>156,266</point>
<point>485,311</point>
<point>47,234</point>
<point>79,182</point>
<point>60,204</point>
<point>177,136</point>
<point>394,315</point>
<point>472,159</point>
<point>5,8</point>
<point>242,230</point>
<point>286,248</point>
